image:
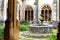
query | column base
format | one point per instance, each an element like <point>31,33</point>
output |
<point>11,32</point>
<point>8,30</point>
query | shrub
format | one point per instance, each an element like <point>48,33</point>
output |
<point>23,27</point>
<point>23,22</point>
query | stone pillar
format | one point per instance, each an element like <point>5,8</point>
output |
<point>11,30</point>
<point>18,11</point>
<point>59,10</point>
<point>55,10</point>
<point>23,11</point>
<point>58,34</point>
<point>36,14</point>
<point>4,6</point>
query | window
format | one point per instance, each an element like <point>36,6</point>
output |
<point>29,14</point>
<point>46,13</point>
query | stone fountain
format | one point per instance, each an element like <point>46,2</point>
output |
<point>38,30</point>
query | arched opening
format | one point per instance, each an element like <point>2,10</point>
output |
<point>46,13</point>
<point>29,14</point>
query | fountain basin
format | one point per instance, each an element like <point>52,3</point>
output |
<point>38,31</point>
<point>43,29</point>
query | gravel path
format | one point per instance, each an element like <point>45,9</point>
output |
<point>30,38</point>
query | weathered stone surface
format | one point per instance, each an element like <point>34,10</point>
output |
<point>40,29</point>
<point>35,14</point>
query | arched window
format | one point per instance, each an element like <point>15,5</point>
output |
<point>29,14</point>
<point>46,13</point>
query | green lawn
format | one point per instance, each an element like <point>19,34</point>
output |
<point>1,27</point>
<point>1,32</point>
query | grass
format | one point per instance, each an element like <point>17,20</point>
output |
<point>55,30</point>
<point>1,27</point>
<point>53,36</point>
<point>1,32</point>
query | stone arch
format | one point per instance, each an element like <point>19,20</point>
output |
<point>28,6</point>
<point>28,13</point>
<point>46,13</point>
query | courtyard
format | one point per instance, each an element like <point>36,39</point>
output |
<point>25,28</point>
<point>29,20</point>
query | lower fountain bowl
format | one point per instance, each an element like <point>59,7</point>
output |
<point>41,29</point>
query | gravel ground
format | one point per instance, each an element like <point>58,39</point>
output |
<point>30,38</point>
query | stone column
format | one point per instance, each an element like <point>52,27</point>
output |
<point>4,6</point>
<point>35,14</point>
<point>59,10</point>
<point>55,10</point>
<point>58,34</point>
<point>23,11</point>
<point>11,30</point>
<point>18,11</point>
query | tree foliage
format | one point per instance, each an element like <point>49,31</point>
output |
<point>36,2</point>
